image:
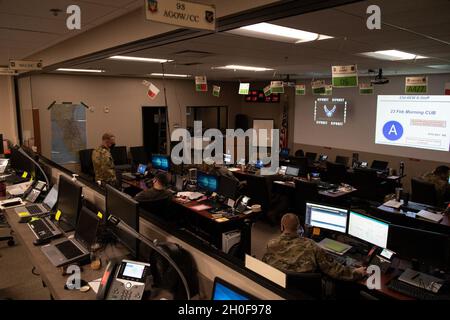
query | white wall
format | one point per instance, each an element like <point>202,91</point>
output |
<point>359,132</point>
<point>8,123</point>
<point>124,97</point>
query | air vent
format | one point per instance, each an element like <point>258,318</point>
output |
<point>193,54</point>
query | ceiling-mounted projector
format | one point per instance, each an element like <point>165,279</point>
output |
<point>379,79</point>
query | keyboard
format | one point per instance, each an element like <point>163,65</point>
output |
<point>34,209</point>
<point>326,185</point>
<point>68,249</point>
<point>415,292</point>
<point>42,228</point>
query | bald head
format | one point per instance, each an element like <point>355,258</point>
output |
<point>289,223</point>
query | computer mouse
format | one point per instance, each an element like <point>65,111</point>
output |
<point>40,242</point>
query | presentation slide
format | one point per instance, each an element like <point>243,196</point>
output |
<point>414,121</point>
<point>330,111</point>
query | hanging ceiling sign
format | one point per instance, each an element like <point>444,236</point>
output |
<point>23,65</point>
<point>318,87</point>
<point>300,89</point>
<point>277,86</point>
<point>366,88</point>
<point>344,76</point>
<point>7,72</point>
<point>182,13</point>
<point>416,84</point>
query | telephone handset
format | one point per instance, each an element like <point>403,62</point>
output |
<point>124,280</point>
<point>34,191</point>
<point>241,204</point>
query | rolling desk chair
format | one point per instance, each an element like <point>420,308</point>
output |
<point>301,163</point>
<point>336,172</point>
<point>311,156</point>
<point>423,192</point>
<point>342,160</point>
<point>367,184</point>
<point>299,153</point>
<point>305,283</point>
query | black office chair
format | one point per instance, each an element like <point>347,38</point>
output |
<point>160,208</point>
<point>311,156</point>
<point>139,156</point>
<point>423,192</point>
<point>342,160</point>
<point>336,172</point>
<point>301,163</point>
<point>304,191</point>
<point>301,284</point>
<point>367,184</point>
<point>87,166</point>
<point>259,189</point>
<point>299,153</point>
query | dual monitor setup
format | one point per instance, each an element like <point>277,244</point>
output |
<point>408,243</point>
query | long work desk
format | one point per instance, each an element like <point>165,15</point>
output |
<point>52,276</point>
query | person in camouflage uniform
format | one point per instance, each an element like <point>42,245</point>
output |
<point>439,177</point>
<point>292,252</point>
<point>103,161</point>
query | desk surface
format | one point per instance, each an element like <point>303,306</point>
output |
<point>51,275</point>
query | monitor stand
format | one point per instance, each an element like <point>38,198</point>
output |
<point>64,226</point>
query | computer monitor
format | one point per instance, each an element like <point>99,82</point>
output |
<point>323,157</point>
<point>21,163</point>
<point>292,171</point>
<point>259,164</point>
<point>69,201</point>
<point>160,162</point>
<point>342,160</point>
<point>427,247</point>
<point>326,217</point>
<point>223,290</point>
<point>126,209</point>
<point>368,229</point>
<point>228,187</point>
<point>52,197</point>
<point>87,226</point>
<point>282,170</point>
<point>379,165</point>
<point>227,159</point>
<point>207,182</point>
<point>142,168</point>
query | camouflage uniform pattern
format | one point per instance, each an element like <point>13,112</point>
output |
<point>441,186</point>
<point>103,165</point>
<point>294,253</point>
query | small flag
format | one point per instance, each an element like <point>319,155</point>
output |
<point>244,88</point>
<point>201,84</point>
<point>277,86</point>
<point>300,90</point>
<point>153,91</point>
<point>216,91</point>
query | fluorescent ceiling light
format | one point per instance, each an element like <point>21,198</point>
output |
<point>245,68</point>
<point>80,70</point>
<point>139,59</point>
<point>392,55</point>
<point>275,32</point>
<point>170,75</point>
<point>440,66</point>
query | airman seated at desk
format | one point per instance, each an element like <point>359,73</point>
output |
<point>292,252</point>
<point>440,178</point>
<point>159,190</point>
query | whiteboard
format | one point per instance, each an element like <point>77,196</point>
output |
<point>266,124</point>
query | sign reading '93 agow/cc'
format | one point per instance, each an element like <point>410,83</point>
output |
<point>181,13</point>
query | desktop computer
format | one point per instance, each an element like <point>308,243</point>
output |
<point>326,217</point>
<point>160,162</point>
<point>223,290</point>
<point>229,239</point>
<point>207,182</point>
<point>369,229</point>
<point>126,209</point>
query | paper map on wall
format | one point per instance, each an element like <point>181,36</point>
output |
<point>68,132</point>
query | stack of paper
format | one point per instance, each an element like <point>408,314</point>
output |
<point>393,204</point>
<point>430,216</point>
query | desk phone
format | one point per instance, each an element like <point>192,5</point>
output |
<point>35,190</point>
<point>124,280</point>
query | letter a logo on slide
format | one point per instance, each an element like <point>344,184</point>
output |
<point>393,130</point>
